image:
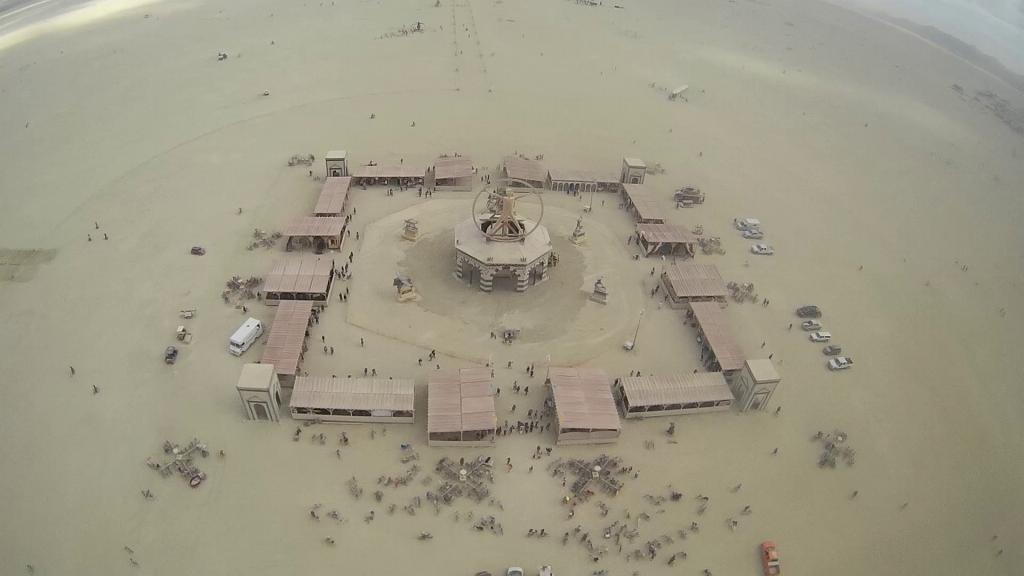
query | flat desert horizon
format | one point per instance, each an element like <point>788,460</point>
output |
<point>886,173</point>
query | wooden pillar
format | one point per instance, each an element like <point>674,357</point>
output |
<point>486,279</point>
<point>522,279</point>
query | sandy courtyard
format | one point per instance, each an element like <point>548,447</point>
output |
<point>891,198</point>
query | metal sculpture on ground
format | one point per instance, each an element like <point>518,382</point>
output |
<point>591,475</point>
<point>463,478</point>
<point>180,461</point>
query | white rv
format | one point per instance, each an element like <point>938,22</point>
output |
<point>245,336</point>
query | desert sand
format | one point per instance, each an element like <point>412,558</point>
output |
<point>892,201</point>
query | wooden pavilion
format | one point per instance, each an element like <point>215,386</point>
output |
<point>450,173</point>
<point>518,168</point>
<point>388,175</point>
<point>378,400</point>
<point>718,349</point>
<point>302,277</point>
<point>318,233</point>
<point>333,197</point>
<point>581,181</point>
<point>686,282</point>
<point>646,396</point>
<point>665,240</point>
<point>286,344</point>
<point>584,406</point>
<point>460,408</point>
<point>640,202</point>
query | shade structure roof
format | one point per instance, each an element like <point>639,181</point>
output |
<point>643,202</point>
<point>316,226</point>
<point>333,196</point>
<point>523,169</point>
<point>634,162</point>
<point>676,389</point>
<point>287,334</point>
<point>461,401</point>
<point>570,175</point>
<point>689,280</point>
<point>353,393</point>
<point>389,171</point>
<point>665,233</point>
<point>583,399</point>
<point>715,327</point>
<point>305,274</point>
<point>456,167</point>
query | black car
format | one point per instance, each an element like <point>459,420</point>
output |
<point>808,312</point>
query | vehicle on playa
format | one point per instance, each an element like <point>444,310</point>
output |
<point>820,336</point>
<point>810,325</point>
<point>170,355</point>
<point>245,336</point>
<point>770,559</point>
<point>515,571</point>
<point>832,350</point>
<point>840,363</point>
<point>762,249</point>
<point>809,311</point>
<point>753,234</point>
<point>746,223</point>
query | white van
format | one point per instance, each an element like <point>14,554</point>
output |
<point>244,337</point>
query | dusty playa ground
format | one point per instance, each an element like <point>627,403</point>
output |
<point>892,201</point>
<point>456,319</point>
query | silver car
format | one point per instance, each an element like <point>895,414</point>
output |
<point>820,336</point>
<point>840,363</point>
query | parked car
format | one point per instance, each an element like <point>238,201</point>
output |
<point>762,249</point>
<point>840,363</point>
<point>809,311</point>
<point>820,336</point>
<point>746,223</point>
<point>198,251</point>
<point>810,325</point>
<point>171,355</point>
<point>514,571</point>
<point>770,559</point>
<point>832,350</point>
<point>753,234</point>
